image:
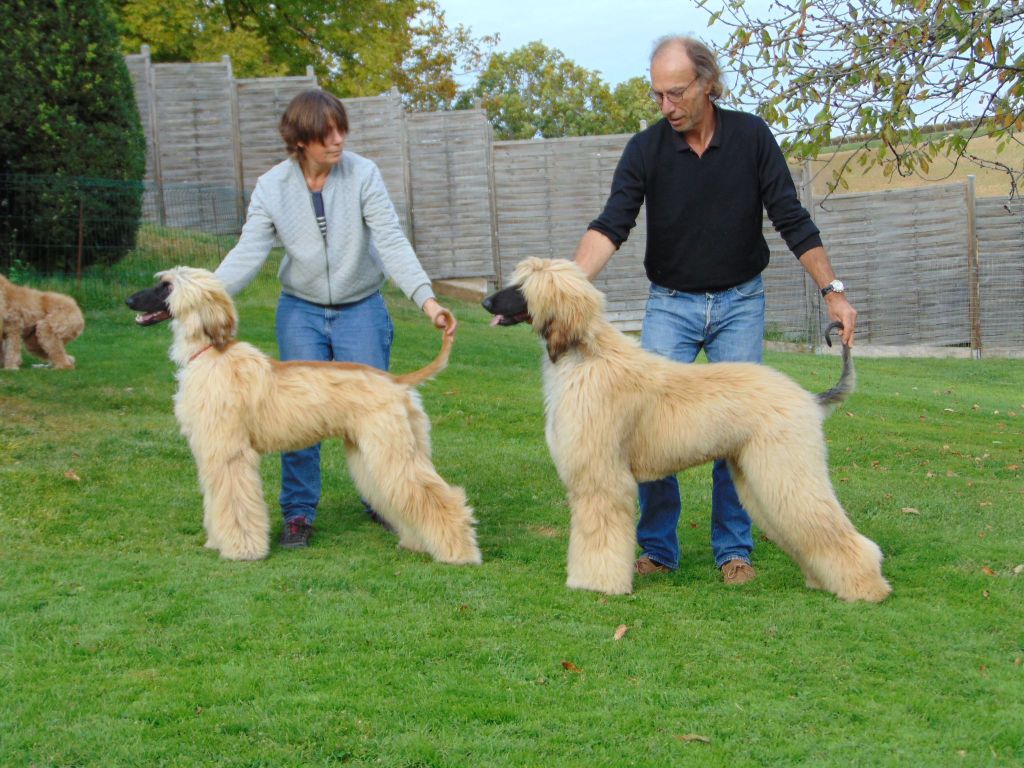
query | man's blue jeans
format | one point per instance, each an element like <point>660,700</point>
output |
<point>360,332</point>
<point>729,326</point>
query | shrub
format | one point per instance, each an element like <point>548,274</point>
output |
<point>72,150</point>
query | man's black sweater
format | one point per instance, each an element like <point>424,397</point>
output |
<point>704,214</point>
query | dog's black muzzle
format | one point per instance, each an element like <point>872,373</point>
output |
<point>152,303</point>
<point>508,306</point>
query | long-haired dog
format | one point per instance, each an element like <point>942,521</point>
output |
<point>234,403</point>
<point>617,414</point>
<point>45,321</point>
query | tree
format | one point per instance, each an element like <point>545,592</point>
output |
<point>634,103</point>
<point>536,91</point>
<point>437,56</point>
<point>356,47</point>
<point>878,73</point>
<point>72,151</point>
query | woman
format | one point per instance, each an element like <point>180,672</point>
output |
<point>341,237</point>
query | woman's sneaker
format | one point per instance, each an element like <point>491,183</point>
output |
<point>296,533</point>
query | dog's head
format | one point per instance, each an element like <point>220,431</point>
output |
<point>555,297</point>
<point>194,299</point>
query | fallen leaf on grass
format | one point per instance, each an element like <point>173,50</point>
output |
<point>987,571</point>
<point>910,511</point>
<point>621,631</point>
<point>570,667</point>
<point>1018,570</point>
<point>72,475</point>
<point>694,737</point>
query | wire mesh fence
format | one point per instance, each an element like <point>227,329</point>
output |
<point>100,240</point>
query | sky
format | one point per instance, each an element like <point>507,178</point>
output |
<point>611,36</point>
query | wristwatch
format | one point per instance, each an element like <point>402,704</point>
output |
<point>836,286</point>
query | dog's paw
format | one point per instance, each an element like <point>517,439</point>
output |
<point>607,587</point>
<point>244,554</point>
<point>470,556</point>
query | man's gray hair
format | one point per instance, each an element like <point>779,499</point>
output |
<point>703,58</point>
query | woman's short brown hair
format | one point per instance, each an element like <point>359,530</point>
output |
<point>310,116</point>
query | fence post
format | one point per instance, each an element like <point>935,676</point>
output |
<point>81,240</point>
<point>492,195</point>
<point>154,134</point>
<point>406,155</point>
<point>973,269</point>
<point>236,140</point>
<point>811,296</point>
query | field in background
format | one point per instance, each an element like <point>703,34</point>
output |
<point>989,182</point>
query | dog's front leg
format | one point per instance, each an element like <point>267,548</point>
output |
<point>602,536</point>
<point>12,346</point>
<point>235,514</point>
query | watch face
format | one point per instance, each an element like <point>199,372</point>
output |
<point>837,286</point>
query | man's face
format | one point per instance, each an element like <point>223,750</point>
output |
<point>683,98</point>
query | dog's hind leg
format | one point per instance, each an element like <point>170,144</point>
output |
<point>602,536</point>
<point>234,512</point>
<point>784,485</point>
<point>393,473</point>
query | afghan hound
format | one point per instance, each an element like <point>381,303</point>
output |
<point>44,320</point>
<point>616,415</point>
<point>234,403</point>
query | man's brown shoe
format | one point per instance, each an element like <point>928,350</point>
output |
<point>738,572</point>
<point>645,566</point>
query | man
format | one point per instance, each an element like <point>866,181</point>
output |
<point>706,175</point>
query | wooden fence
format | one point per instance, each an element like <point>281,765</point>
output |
<point>929,268</point>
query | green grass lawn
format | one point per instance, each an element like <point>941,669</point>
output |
<point>123,642</point>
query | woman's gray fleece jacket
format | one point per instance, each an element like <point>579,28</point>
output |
<point>364,243</point>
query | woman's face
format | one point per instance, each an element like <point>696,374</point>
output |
<point>325,152</point>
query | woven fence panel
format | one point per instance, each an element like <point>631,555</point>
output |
<point>196,130</point>
<point>788,292</point>
<point>1000,231</point>
<point>261,102</point>
<point>903,256</point>
<point>377,130</point>
<point>547,192</point>
<point>450,189</point>
<point>194,141</point>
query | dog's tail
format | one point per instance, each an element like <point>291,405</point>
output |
<point>847,380</point>
<point>435,366</point>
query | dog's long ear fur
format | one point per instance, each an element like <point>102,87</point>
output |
<point>200,303</point>
<point>219,319</point>
<point>563,302</point>
<point>559,337</point>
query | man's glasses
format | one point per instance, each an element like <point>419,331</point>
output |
<point>674,96</point>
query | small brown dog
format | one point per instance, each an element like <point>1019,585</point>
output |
<point>44,320</point>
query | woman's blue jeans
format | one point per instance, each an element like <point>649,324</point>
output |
<point>729,326</point>
<point>360,332</point>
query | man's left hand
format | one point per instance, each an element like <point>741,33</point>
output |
<point>840,309</point>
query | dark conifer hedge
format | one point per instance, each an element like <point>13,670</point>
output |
<point>72,150</point>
